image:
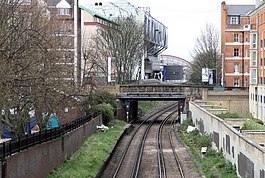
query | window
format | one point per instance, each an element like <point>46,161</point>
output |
<point>254,41</point>
<point>261,61</point>
<point>246,37</point>
<point>236,68</point>
<point>254,76</point>
<point>64,11</point>
<point>248,20</point>
<point>261,42</point>
<point>254,58</point>
<point>234,20</point>
<point>236,82</point>
<point>236,52</point>
<point>236,38</point>
<point>246,82</point>
<point>246,68</point>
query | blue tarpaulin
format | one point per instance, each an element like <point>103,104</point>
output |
<point>52,122</point>
<point>5,132</point>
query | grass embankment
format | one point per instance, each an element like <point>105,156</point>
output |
<point>213,163</point>
<point>148,106</point>
<point>89,158</point>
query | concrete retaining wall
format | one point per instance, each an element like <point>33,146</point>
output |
<point>39,160</point>
<point>235,101</point>
<point>249,157</point>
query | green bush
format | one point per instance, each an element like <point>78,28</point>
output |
<point>252,124</point>
<point>227,115</point>
<point>258,121</point>
<point>99,97</point>
<point>107,112</point>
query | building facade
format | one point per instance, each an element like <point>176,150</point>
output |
<point>235,29</point>
<point>257,61</point>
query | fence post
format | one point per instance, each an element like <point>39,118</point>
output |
<point>3,160</point>
<point>40,137</point>
<point>10,147</point>
<point>46,135</point>
<point>27,141</point>
<point>33,139</point>
<point>19,144</point>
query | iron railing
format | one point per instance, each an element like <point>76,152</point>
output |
<point>24,142</point>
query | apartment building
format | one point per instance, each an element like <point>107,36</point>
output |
<point>235,29</point>
<point>257,61</point>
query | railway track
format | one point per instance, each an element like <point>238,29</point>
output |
<point>149,151</point>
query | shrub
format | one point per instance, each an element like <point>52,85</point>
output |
<point>258,121</point>
<point>107,112</point>
<point>97,98</point>
<point>252,124</point>
<point>227,115</point>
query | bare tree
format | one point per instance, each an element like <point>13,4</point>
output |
<point>31,50</point>
<point>206,54</point>
<point>123,42</point>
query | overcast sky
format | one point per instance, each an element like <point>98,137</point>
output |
<point>185,19</point>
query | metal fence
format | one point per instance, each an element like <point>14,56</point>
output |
<point>16,145</point>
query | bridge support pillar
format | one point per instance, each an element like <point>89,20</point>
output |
<point>127,110</point>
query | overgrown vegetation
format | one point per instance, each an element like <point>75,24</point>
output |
<point>228,115</point>
<point>87,161</point>
<point>253,124</point>
<point>147,106</point>
<point>103,101</point>
<point>213,163</point>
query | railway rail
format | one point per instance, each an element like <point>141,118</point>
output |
<point>134,158</point>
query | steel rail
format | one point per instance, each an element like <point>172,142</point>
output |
<point>160,155</point>
<point>175,155</point>
<point>137,163</point>
<point>130,141</point>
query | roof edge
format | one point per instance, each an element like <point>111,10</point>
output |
<point>95,13</point>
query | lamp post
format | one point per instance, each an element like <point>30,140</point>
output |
<point>75,40</point>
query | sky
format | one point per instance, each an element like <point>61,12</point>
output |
<point>185,20</point>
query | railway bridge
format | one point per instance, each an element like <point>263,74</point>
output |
<point>130,95</point>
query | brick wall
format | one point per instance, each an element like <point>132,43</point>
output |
<point>39,160</point>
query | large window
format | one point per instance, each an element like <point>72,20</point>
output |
<point>236,68</point>
<point>236,38</point>
<point>236,52</point>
